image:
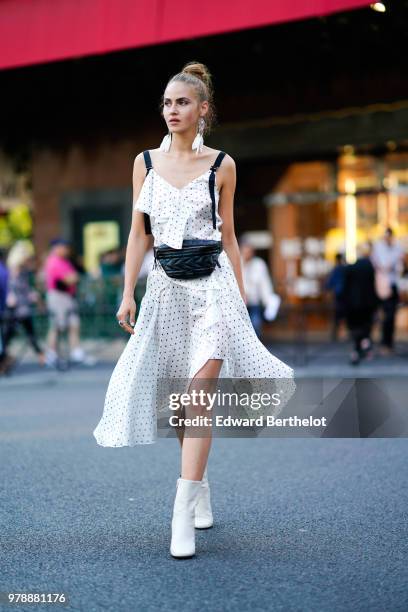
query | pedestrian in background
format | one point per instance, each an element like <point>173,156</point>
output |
<point>387,257</point>
<point>61,278</point>
<point>110,263</point>
<point>335,283</point>
<point>21,297</point>
<point>258,285</point>
<point>3,294</point>
<point>360,302</point>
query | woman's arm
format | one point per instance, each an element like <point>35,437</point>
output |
<point>266,289</point>
<point>138,244</point>
<point>227,184</point>
<point>71,278</point>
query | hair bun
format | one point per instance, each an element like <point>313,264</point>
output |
<point>200,71</point>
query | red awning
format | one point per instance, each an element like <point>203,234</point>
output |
<point>39,31</point>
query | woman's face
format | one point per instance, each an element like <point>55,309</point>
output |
<point>181,105</point>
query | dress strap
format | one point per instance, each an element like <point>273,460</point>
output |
<point>148,161</point>
<point>218,161</point>
<point>149,166</point>
<point>214,169</point>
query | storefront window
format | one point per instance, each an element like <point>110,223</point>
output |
<point>319,209</point>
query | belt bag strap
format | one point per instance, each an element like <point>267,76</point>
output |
<point>214,169</point>
<point>148,163</point>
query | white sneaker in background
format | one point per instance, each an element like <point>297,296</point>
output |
<point>78,355</point>
<point>51,357</point>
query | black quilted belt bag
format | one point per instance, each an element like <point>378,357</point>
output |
<point>195,259</point>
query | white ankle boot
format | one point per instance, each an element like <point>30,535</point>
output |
<point>182,525</point>
<point>203,512</point>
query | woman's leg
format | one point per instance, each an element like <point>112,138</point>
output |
<point>74,330</point>
<point>194,454</point>
<point>10,329</point>
<point>28,326</point>
<point>196,440</point>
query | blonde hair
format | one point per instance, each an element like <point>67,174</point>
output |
<point>199,78</point>
<point>19,253</point>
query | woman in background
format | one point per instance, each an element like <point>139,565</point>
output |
<point>20,298</point>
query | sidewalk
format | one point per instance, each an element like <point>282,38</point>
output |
<point>316,359</point>
<point>331,359</point>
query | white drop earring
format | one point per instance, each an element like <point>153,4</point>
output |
<point>199,140</point>
<point>166,143</point>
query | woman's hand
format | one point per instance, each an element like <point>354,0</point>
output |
<point>127,314</point>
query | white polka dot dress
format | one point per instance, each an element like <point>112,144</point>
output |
<point>181,323</point>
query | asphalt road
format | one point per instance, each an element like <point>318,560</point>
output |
<point>301,524</point>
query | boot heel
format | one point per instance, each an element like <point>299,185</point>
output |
<point>203,518</point>
<point>182,524</point>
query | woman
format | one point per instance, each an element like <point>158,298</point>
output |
<point>193,328</point>
<point>21,297</point>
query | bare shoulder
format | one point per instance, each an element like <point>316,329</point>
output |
<point>227,174</point>
<point>229,164</point>
<point>139,160</point>
<point>139,171</point>
<point>227,159</point>
<point>139,166</point>
<point>155,154</point>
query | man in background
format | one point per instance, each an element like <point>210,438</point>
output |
<point>335,283</point>
<point>360,303</point>
<point>387,257</point>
